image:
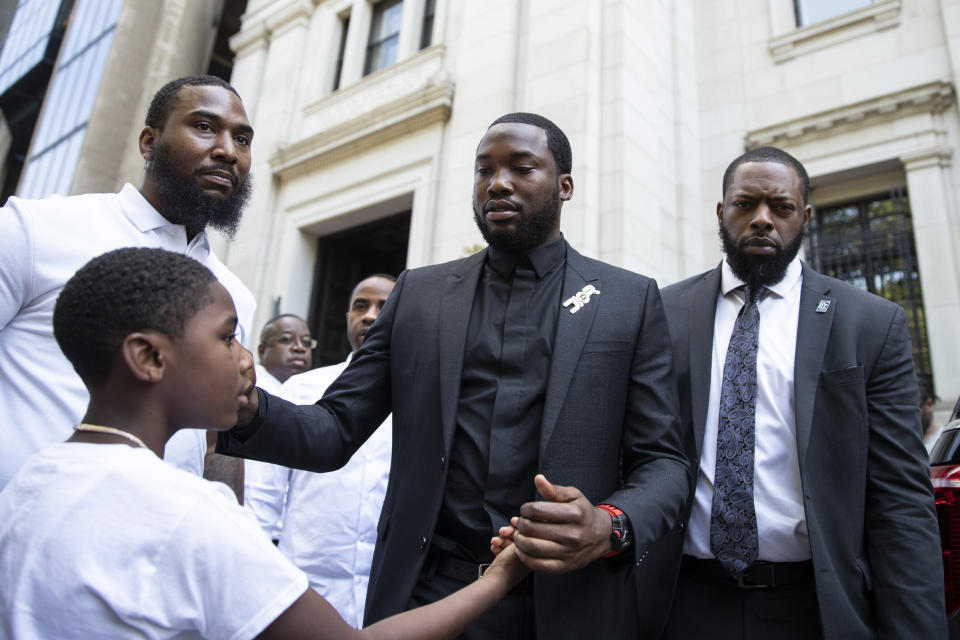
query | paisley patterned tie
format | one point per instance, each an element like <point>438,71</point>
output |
<point>733,526</point>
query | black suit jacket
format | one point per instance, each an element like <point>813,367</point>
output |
<point>865,475</point>
<point>609,428</point>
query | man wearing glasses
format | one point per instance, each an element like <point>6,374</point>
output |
<point>285,349</point>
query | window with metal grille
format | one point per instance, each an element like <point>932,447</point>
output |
<point>869,243</point>
<point>384,35</point>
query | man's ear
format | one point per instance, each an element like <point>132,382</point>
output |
<point>143,355</point>
<point>148,138</point>
<point>566,186</point>
<point>720,212</point>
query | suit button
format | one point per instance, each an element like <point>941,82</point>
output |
<point>423,543</point>
<point>443,461</point>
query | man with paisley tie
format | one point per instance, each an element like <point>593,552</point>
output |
<point>813,513</point>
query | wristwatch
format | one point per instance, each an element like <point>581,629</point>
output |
<point>620,534</point>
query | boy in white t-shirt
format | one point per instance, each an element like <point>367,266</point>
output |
<point>99,538</point>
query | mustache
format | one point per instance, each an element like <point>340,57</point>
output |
<point>760,240</point>
<point>500,203</point>
<point>219,168</point>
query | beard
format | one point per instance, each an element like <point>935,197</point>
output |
<point>759,270</point>
<point>531,232</point>
<point>184,202</point>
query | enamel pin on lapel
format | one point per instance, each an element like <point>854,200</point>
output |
<point>823,306</point>
<point>580,298</point>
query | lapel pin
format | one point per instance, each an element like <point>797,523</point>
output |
<point>823,306</point>
<point>580,298</point>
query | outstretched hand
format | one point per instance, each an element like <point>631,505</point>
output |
<point>247,411</point>
<point>561,533</point>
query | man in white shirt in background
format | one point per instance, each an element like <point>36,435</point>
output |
<point>330,523</point>
<point>285,349</point>
<point>196,144</point>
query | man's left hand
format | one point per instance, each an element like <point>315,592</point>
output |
<point>561,533</point>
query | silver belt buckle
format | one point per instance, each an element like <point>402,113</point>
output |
<point>481,569</point>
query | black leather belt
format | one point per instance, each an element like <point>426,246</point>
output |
<point>759,575</point>
<point>464,571</point>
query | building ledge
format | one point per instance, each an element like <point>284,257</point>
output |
<point>386,105</point>
<point>877,16</point>
<point>934,97</point>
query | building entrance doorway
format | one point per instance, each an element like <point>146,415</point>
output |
<point>343,259</point>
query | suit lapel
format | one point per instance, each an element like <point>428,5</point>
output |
<point>813,332</point>
<point>703,310</point>
<point>456,302</point>
<point>572,331</point>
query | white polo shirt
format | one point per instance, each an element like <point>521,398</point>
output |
<point>44,243</point>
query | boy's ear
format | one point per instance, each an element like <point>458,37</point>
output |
<point>143,354</point>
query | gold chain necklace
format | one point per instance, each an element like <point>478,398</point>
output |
<point>96,428</point>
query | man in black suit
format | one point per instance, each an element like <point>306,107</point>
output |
<point>813,515</point>
<point>524,358</point>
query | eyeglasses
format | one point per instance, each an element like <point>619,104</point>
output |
<point>287,340</point>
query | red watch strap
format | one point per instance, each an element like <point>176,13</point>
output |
<point>611,511</point>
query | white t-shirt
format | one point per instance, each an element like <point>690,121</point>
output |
<point>106,541</point>
<point>330,523</point>
<point>44,242</point>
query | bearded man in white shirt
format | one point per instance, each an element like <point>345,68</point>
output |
<point>329,527</point>
<point>196,144</point>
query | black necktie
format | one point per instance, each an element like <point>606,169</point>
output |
<point>733,520</point>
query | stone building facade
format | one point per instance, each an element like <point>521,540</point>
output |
<point>367,116</point>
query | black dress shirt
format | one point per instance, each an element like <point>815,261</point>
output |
<point>506,363</point>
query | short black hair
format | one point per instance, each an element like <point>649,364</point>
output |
<point>353,292</point>
<point>165,99</point>
<point>269,323</point>
<point>556,139</point>
<point>769,154</point>
<point>120,292</point>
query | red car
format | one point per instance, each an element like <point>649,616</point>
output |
<point>945,475</point>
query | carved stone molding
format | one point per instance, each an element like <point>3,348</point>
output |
<point>934,97</point>
<point>431,104</point>
<point>874,17</point>
<point>925,158</point>
<point>285,17</point>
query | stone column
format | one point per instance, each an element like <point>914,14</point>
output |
<point>410,26</point>
<point>355,51</point>
<point>251,46</point>
<point>936,229</point>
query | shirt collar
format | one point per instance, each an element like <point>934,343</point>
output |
<point>543,259</point>
<point>729,281</point>
<point>140,212</point>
